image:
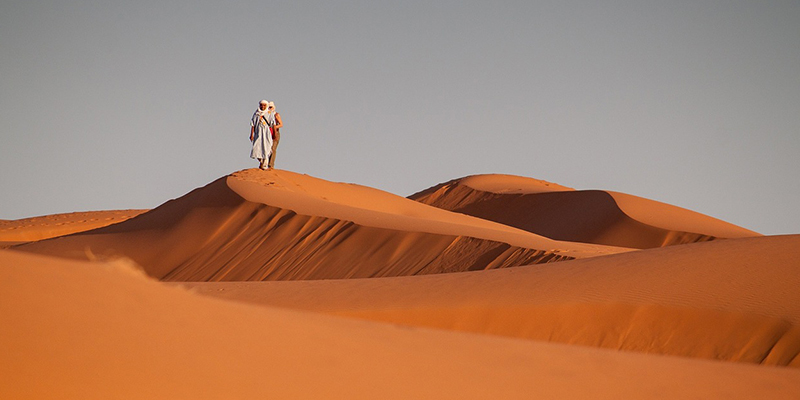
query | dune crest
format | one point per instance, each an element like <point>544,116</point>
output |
<point>733,300</point>
<point>48,226</point>
<point>276,225</point>
<point>566,320</point>
<point>586,216</point>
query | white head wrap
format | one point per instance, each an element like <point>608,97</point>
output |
<point>261,112</point>
<point>256,119</point>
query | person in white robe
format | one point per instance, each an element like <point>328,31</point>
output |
<point>261,134</point>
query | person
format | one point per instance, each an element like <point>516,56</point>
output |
<point>276,133</point>
<point>261,134</point>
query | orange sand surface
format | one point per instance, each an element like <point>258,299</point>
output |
<point>273,284</point>
<point>734,300</point>
<point>588,216</point>
<point>48,226</point>
<point>277,225</point>
<point>77,330</point>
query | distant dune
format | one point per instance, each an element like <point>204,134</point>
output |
<point>48,226</point>
<point>587,216</point>
<point>282,285</point>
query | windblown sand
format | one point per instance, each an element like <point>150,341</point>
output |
<point>283,285</point>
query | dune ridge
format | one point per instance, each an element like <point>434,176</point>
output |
<point>375,208</point>
<point>304,288</point>
<point>733,300</point>
<point>586,216</point>
<point>48,226</point>
<point>215,233</point>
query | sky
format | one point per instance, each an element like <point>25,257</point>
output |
<point>126,104</point>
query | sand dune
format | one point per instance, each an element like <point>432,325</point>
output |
<point>733,300</point>
<point>438,313</point>
<point>48,226</point>
<point>277,225</point>
<point>587,216</point>
<point>145,340</point>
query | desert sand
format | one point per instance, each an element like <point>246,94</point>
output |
<point>590,216</point>
<point>256,225</point>
<point>273,283</point>
<point>24,230</point>
<point>734,300</point>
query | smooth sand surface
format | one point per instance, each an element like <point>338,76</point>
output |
<point>735,300</point>
<point>278,225</point>
<point>372,295</point>
<point>375,208</point>
<point>587,216</point>
<point>77,330</point>
<point>48,226</point>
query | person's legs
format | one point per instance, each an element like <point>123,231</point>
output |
<point>274,148</point>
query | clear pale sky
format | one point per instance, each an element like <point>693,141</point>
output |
<point>116,105</point>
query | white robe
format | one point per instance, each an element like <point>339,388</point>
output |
<point>262,137</point>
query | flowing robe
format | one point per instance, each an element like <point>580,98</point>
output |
<point>262,135</point>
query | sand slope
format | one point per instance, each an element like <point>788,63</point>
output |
<point>277,225</point>
<point>145,341</point>
<point>439,314</point>
<point>48,226</point>
<point>734,300</point>
<point>588,216</point>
